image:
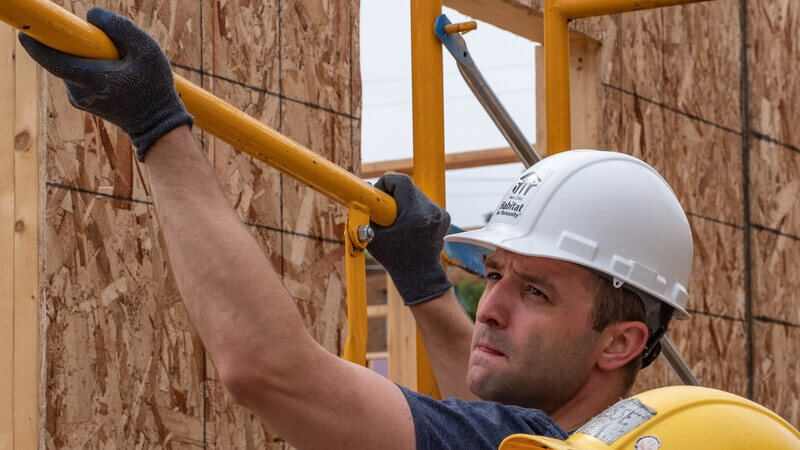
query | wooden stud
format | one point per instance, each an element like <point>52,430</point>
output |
<point>461,160</point>
<point>584,105</point>
<point>7,39</point>
<point>26,251</point>
<point>377,310</point>
<point>401,331</point>
<point>583,82</point>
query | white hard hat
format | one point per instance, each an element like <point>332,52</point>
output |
<point>606,211</point>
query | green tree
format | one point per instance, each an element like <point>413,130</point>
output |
<point>468,294</point>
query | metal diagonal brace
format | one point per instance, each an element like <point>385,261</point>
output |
<point>457,47</point>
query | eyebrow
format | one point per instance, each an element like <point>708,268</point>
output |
<point>535,278</point>
<point>538,279</point>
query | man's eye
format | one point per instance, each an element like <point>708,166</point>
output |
<point>494,276</point>
<point>536,292</point>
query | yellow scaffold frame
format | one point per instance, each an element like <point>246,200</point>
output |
<point>60,29</point>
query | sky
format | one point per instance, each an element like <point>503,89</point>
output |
<point>506,61</point>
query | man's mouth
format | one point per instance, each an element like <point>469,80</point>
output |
<point>486,348</point>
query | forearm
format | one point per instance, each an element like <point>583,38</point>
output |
<point>447,334</point>
<point>232,293</point>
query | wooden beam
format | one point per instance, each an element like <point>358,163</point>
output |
<point>583,94</point>
<point>377,355</point>
<point>506,14</point>
<point>461,160</point>
<point>401,331</point>
<point>377,310</point>
<point>7,42</point>
<point>26,251</point>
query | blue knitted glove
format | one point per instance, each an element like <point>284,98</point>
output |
<point>410,248</point>
<point>136,93</point>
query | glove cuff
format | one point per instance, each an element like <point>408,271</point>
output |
<point>175,117</point>
<point>422,285</point>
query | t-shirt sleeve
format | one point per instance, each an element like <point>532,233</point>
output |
<point>456,424</point>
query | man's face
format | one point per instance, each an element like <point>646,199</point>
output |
<point>533,344</point>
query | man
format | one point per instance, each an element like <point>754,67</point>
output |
<point>554,343</point>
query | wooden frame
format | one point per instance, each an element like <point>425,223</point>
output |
<point>19,245</point>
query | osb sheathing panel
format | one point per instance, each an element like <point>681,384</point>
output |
<point>774,50</point>
<point>776,283</point>
<point>316,51</point>
<point>677,105</point>
<point>714,349</point>
<point>643,132</point>
<point>124,367</point>
<point>776,368</point>
<point>775,186</point>
<point>253,188</point>
<point>717,282</point>
<point>701,60</point>
<point>641,39</point>
<point>704,168</point>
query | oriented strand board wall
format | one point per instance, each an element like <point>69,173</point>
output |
<point>123,365</point>
<point>706,93</point>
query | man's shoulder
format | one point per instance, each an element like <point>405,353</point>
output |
<point>455,423</point>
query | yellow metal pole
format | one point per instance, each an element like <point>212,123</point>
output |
<point>62,30</point>
<point>427,96</point>
<point>56,27</point>
<point>262,142</point>
<point>355,348</point>
<point>556,57</point>
<point>576,9</point>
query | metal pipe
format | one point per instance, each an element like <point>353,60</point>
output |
<point>427,95</point>
<point>62,30</point>
<point>463,27</point>
<point>677,363</point>
<point>457,47</point>
<point>355,347</point>
<point>576,9</point>
<point>556,57</point>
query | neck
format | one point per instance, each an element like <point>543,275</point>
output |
<point>602,390</point>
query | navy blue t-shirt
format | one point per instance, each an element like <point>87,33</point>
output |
<point>455,424</point>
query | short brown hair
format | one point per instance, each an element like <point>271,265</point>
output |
<point>613,305</point>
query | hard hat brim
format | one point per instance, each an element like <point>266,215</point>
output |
<point>528,441</point>
<point>492,239</point>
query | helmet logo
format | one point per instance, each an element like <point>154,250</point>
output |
<point>513,204</point>
<point>526,183</point>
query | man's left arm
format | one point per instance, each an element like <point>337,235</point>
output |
<point>250,325</point>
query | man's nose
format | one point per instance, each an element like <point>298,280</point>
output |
<point>493,308</point>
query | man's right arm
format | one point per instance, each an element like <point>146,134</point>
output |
<point>410,250</point>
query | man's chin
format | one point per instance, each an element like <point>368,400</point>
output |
<point>481,380</point>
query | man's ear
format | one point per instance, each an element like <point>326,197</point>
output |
<point>624,341</point>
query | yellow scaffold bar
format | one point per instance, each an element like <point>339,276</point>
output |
<point>62,30</point>
<point>427,98</point>
<point>556,56</point>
